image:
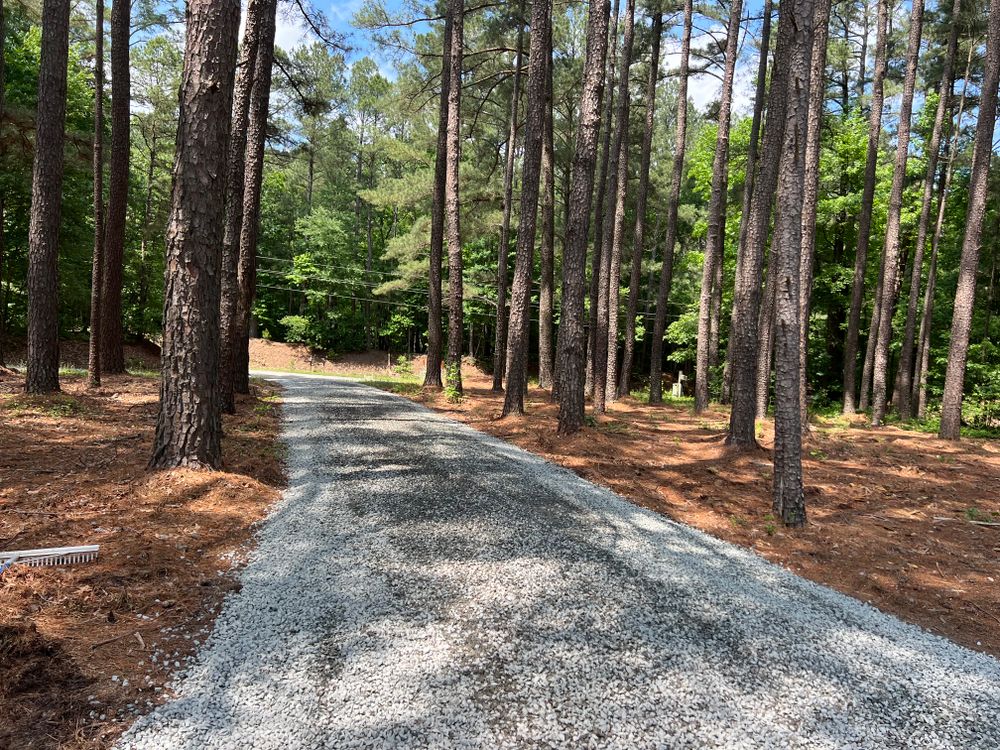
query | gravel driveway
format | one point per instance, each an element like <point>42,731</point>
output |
<point>425,585</point>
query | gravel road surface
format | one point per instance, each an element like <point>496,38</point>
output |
<point>422,584</point>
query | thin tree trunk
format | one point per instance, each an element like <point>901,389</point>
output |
<point>546,291</point>
<point>789,499</point>
<point>112,343</point>
<point>765,352</point>
<point>452,206</point>
<point>606,350</point>
<point>751,176</point>
<point>865,218</point>
<point>189,425</point>
<point>500,347</point>
<point>880,373</point>
<point>432,375</point>
<point>97,270</point>
<point>597,264</point>
<point>814,117</point>
<point>715,235</point>
<point>260,93</point>
<point>3,196</point>
<point>905,405</point>
<point>961,321</point>
<point>642,192</point>
<point>235,182</point>
<point>666,270</point>
<point>571,341</point>
<point>744,332</point>
<point>520,297</point>
<point>46,202</point>
<point>147,215</point>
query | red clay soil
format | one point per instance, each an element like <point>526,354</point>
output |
<point>899,519</point>
<point>76,641</point>
<point>274,355</point>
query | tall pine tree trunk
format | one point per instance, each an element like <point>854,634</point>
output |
<point>865,218</point>
<point>452,206</point>
<point>520,297</point>
<point>260,93</point>
<point>112,344</point>
<point>673,201</point>
<point>715,235</point>
<point>571,364</point>
<point>189,424</point>
<point>786,257</point>
<point>235,179</point>
<point>432,375</point>
<point>880,372</point>
<point>546,292</point>
<point>97,268</point>
<point>905,402</point>
<point>606,350</point>
<point>500,346</point>
<point>744,332</point>
<point>965,294</point>
<point>642,193</point>
<point>814,117</point>
<point>46,202</point>
<point>765,352</point>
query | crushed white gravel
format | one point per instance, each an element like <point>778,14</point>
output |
<point>422,584</point>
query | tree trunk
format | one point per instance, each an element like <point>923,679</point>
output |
<point>814,117</point>
<point>500,347</point>
<point>235,180</point>
<point>112,344</point>
<point>97,270</point>
<point>666,270</point>
<point>571,341</point>
<point>786,255</point>
<point>880,373</point>
<point>744,339</point>
<point>452,206</point>
<point>189,424</point>
<point>961,321</point>
<point>432,375</point>
<point>46,202</point>
<point>520,297</point>
<point>765,352</point>
<point>865,218</point>
<point>546,291</point>
<point>606,350</point>
<point>260,93</point>
<point>597,264</point>
<point>905,403</point>
<point>642,192</point>
<point>715,235</point>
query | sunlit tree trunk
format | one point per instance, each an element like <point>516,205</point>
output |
<point>452,206</point>
<point>97,269</point>
<point>546,293</point>
<point>965,294</point>
<point>571,355</point>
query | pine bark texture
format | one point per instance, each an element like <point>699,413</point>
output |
<point>534,136</point>
<point>673,201</point>
<point>744,332</point>
<point>865,218</point>
<point>97,264</point>
<point>546,291</point>
<point>880,373</point>
<point>452,206</point>
<point>46,202</point>
<point>641,197</point>
<point>715,234</point>
<point>789,500</point>
<point>112,335</point>
<point>965,294</point>
<point>572,339</point>
<point>189,424</point>
<point>500,345</point>
<point>435,337</point>
<point>235,179</point>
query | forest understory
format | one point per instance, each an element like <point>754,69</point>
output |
<point>84,648</point>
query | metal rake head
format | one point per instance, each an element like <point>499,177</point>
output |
<point>37,558</point>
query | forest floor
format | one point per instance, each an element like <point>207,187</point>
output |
<point>84,648</point>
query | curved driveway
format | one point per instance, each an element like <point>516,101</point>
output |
<point>425,585</point>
